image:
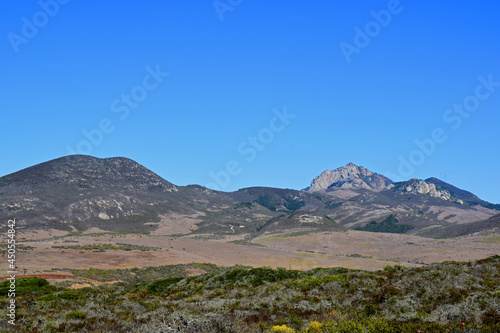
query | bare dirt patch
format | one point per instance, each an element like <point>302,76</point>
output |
<point>41,234</point>
<point>94,230</point>
<point>79,282</point>
<point>461,215</point>
<point>175,224</point>
<point>343,194</point>
<point>383,246</point>
<point>43,276</point>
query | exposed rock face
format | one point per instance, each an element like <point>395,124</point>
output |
<point>418,186</point>
<point>350,176</point>
<point>459,193</point>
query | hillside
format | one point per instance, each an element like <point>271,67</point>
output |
<point>489,226</point>
<point>466,196</point>
<point>436,298</point>
<point>76,193</point>
<point>79,193</point>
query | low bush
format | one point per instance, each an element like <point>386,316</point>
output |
<point>433,298</point>
<point>23,285</point>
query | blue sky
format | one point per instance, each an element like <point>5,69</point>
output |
<point>257,93</point>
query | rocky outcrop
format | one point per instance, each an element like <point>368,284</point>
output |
<point>418,186</point>
<point>350,176</point>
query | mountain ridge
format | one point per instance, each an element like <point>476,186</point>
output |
<point>81,170</point>
<point>79,192</point>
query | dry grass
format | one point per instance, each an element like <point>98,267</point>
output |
<point>351,249</point>
<point>495,239</point>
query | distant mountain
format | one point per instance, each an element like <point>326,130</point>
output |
<point>363,199</point>
<point>466,196</point>
<point>353,177</point>
<point>277,199</point>
<point>80,172</point>
<point>350,176</point>
<point>77,193</point>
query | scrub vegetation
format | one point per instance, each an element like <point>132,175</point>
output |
<point>431,298</point>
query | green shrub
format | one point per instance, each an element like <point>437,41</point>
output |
<point>387,225</point>
<point>82,293</point>
<point>248,205</point>
<point>162,285</point>
<point>371,325</point>
<point>433,298</point>
<point>24,285</point>
<point>491,318</point>
<point>255,276</point>
<point>292,204</point>
<point>76,315</point>
<point>271,202</point>
<point>370,310</point>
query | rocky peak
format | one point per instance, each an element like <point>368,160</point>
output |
<point>350,176</point>
<point>418,186</point>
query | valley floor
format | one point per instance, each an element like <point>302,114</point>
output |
<point>350,249</point>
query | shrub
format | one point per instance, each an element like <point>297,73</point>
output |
<point>292,204</point>
<point>76,315</point>
<point>271,202</point>
<point>282,329</point>
<point>387,225</point>
<point>370,310</point>
<point>256,276</point>
<point>71,295</point>
<point>162,285</point>
<point>24,285</point>
<point>314,327</point>
<point>491,318</point>
<point>248,205</point>
<point>371,325</point>
<point>433,298</point>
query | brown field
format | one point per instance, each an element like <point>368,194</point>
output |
<point>351,249</point>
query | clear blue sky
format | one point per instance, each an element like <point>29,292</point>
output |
<point>71,71</point>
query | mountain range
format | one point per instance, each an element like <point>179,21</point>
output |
<point>77,193</point>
